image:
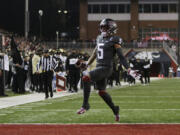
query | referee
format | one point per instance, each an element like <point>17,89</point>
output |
<point>4,68</point>
<point>47,63</point>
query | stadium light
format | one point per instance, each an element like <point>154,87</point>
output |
<point>40,19</point>
<point>40,12</point>
<point>59,11</point>
<point>62,11</point>
<point>57,33</point>
<point>65,11</point>
<point>26,19</point>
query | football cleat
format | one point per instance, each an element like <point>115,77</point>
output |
<point>81,111</point>
<point>117,118</point>
<point>116,112</point>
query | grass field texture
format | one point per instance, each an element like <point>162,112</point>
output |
<point>158,102</point>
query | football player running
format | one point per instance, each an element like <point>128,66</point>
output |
<point>107,46</point>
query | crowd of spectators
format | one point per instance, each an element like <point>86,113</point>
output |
<point>24,76</point>
<point>34,47</point>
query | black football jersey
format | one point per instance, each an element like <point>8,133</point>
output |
<point>106,51</point>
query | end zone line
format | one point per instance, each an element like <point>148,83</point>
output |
<point>2,124</point>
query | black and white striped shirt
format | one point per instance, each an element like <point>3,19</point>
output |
<point>47,63</point>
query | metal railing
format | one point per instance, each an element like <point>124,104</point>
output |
<point>169,50</point>
<point>71,45</point>
<point>91,45</point>
<point>143,45</point>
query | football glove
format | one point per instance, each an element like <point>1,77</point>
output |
<point>134,74</point>
<point>81,64</point>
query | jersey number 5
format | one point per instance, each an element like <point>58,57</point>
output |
<point>100,51</point>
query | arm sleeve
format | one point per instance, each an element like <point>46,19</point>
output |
<point>123,60</point>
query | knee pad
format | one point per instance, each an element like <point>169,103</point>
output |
<point>102,92</point>
<point>86,78</point>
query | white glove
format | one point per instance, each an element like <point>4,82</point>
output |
<point>134,74</point>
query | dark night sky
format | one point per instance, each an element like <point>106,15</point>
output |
<point>12,16</point>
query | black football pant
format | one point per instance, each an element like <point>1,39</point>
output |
<point>35,81</point>
<point>74,77</point>
<point>47,83</point>
<point>117,77</point>
<point>18,85</point>
<point>105,96</point>
<point>98,75</point>
<point>9,77</point>
<point>40,82</point>
<point>146,76</point>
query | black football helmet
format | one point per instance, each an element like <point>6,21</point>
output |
<point>108,27</point>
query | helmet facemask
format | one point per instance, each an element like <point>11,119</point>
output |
<point>104,29</point>
<point>108,27</point>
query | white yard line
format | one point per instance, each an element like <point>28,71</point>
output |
<point>144,96</point>
<point>133,102</point>
<point>91,110</point>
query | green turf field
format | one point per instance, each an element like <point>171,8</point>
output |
<point>157,103</point>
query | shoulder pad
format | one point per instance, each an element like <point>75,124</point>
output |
<point>116,40</point>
